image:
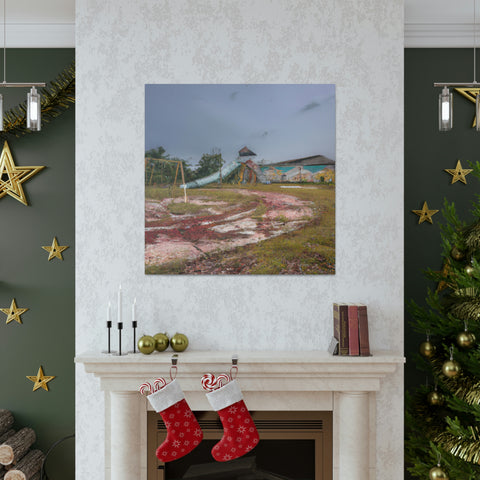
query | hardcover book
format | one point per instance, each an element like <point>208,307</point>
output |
<point>353,340</point>
<point>364,342</point>
<point>340,326</point>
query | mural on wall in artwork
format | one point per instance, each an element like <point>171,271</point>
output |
<point>240,179</point>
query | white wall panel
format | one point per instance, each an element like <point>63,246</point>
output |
<point>121,46</point>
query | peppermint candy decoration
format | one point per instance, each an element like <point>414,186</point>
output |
<point>159,383</point>
<point>210,383</point>
<point>146,386</point>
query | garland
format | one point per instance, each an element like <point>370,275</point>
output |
<point>56,98</point>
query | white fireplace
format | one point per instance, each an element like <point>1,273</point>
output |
<point>270,381</point>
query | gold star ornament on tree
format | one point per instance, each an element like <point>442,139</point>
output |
<point>425,214</point>
<point>40,380</point>
<point>13,313</point>
<point>55,250</point>
<point>12,176</point>
<point>459,173</point>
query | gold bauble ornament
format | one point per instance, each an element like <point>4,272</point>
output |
<point>162,342</point>
<point>466,339</point>
<point>457,254</point>
<point>146,344</point>
<point>179,342</point>
<point>437,473</point>
<point>451,368</point>
<point>427,349</point>
<point>469,270</point>
<point>435,398</point>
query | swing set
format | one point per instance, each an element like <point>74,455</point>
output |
<point>165,161</point>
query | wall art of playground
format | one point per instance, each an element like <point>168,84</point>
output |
<point>240,179</point>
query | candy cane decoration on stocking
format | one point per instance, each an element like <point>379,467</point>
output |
<point>240,433</point>
<point>183,431</point>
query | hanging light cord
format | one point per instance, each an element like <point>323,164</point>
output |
<point>12,84</point>
<point>4,41</point>
<point>474,42</point>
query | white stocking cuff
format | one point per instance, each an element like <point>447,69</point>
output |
<point>225,396</point>
<point>166,397</point>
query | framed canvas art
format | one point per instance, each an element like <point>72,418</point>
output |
<point>240,179</point>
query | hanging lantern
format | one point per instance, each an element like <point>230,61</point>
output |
<point>34,110</point>
<point>445,110</point>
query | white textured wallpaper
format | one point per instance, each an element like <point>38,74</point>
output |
<point>122,45</point>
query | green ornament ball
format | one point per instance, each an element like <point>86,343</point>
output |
<point>466,339</point>
<point>437,473</point>
<point>179,342</point>
<point>146,344</point>
<point>161,342</point>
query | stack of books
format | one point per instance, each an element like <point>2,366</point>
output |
<point>350,330</point>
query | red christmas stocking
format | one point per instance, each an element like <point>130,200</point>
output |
<point>240,434</point>
<point>183,431</point>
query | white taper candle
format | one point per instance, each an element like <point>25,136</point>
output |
<point>120,304</point>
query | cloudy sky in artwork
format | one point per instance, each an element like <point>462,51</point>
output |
<point>277,122</point>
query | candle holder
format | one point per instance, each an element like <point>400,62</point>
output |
<point>109,349</point>
<point>120,328</point>
<point>134,326</point>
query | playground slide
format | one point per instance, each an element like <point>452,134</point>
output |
<point>214,177</point>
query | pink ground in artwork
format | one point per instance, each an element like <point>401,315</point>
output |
<point>220,226</point>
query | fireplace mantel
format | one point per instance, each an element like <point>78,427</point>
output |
<point>269,381</point>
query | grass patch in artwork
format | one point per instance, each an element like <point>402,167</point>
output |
<point>221,194</point>
<point>260,211</point>
<point>183,208</point>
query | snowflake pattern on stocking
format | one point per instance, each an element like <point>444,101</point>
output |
<point>240,434</point>
<point>183,432</point>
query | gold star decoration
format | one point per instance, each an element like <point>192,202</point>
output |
<point>13,313</point>
<point>470,94</point>
<point>425,214</point>
<point>40,380</point>
<point>55,250</point>
<point>12,176</point>
<point>459,173</point>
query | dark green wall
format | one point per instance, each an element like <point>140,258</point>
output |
<point>427,153</point>
<point>47,334</point>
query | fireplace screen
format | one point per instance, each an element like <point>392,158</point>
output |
<point>293,446</point>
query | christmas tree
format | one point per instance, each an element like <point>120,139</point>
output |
<point>442,422</point>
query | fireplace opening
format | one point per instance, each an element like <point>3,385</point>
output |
<point>293,446</point>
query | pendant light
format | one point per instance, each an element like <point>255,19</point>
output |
<point>445,110</point>
<point>445,99</point>
<point>34,110</point>
<point>34,106</point>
